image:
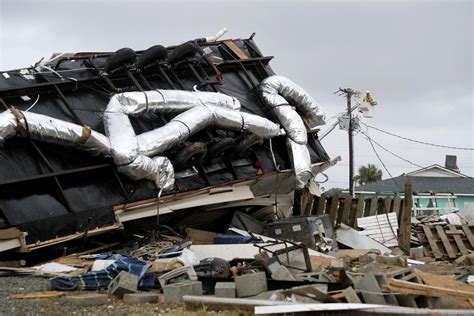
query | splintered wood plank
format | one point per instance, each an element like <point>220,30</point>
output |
<point>373,206</point>
<point>457,239</point>
<point>320,205</point>
<point>445,241</point>
<point>397,201</point>
<point>359,211</point>
<point>346,212</point>
<point>339,212</point>
<point>388,203</point>
<point>333,209</point>
<point>432,241</point>
<point>467,232</point>
<point>235,49</point>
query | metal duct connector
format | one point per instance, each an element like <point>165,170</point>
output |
<point>281,95</point>
<point>47,129</point>
<point>275,87</point>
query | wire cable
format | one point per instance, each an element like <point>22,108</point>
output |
<point>383,164</point>
<point>390,152</point>
<point>418,141</point>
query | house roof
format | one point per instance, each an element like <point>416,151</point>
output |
<point>422,184</point>
<point>442,171</point>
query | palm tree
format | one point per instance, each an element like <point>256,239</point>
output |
<point>368,174</point>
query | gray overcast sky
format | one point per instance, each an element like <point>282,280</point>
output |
<point>415,56</point>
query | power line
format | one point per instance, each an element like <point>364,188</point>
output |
<point>390,152</point>
<point>383,164</point>
<point>418,141</point>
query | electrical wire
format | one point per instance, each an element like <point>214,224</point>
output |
<point>34,103</point>
<point>383,164</point>
<point>417,141</point>
<point>390,152</point>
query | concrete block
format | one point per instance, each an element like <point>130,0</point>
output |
<point>175,292</point>
<point>283,274</point>
<point>351,295</point>
<point>399,261</point>
<point>370,289</point>
<point>123,283</point>
<point>141,298</point>
<point>225,289</point>
<point>251,284</point>
<point>367,258</point>
<point>417,253</point>
<point>87,299</point>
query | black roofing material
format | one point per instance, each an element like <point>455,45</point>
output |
<point>29,195</point>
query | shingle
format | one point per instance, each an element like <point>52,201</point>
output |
<point>422,184</point>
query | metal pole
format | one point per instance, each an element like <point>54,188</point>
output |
<point>351,148</point>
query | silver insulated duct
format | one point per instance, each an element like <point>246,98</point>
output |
<point>198,110</point>
<point>288,101</point>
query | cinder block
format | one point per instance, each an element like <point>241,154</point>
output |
<point>123,283</point>
<point>175,292</point>
<point>282,273</point>
<point>251,284</point>
<point>141,298</point>
<point>225,289</point>
<point>87,299</point>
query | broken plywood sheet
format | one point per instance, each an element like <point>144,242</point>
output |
<point>351,238</point>
<point>382,228</point>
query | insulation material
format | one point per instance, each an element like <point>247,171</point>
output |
<point>134,155</point>
<point>199,110</point>
<point>301,163</point>
<point>47,129</point>
<point>275,87</point>
<point>281,95</point>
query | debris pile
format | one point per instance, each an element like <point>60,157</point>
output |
<point>298,263</point>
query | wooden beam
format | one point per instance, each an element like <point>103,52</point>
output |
<point>405,219</point>
<point>458,240</point>
<point>432,241</point>
<point>333,209</point>
<point>447,245</point>
<point>467,232</point>
<point>346,212</point>
<point>320,206</point>
<point>373,206</point>
<point>359,211</point>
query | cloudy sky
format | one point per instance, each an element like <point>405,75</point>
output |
<point>415,56</point>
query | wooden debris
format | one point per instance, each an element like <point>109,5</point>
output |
<point>42,294</point>
<point>445,242</point>
<point>405,287</point>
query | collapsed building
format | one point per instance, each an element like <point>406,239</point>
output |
<point>94,142</point>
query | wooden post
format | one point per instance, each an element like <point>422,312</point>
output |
<point>405,219</point>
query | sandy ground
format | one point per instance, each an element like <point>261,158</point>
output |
<point>57,306</point>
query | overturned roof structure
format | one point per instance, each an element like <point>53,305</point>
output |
<point>93,141</point>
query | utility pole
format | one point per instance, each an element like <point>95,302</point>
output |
<point>349,93</point>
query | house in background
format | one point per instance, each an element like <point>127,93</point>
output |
<point>436,188</point>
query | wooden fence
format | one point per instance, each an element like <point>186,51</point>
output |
<point>345,209</point>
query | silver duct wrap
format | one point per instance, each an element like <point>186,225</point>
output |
<point>170,101</point>
<point>301,163</point>
<point>158,169</point>
<point>199,110</point>
<point>275,87</point>
<point>47,129</point>
<point>281,95</point>
<point>192,121</point>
